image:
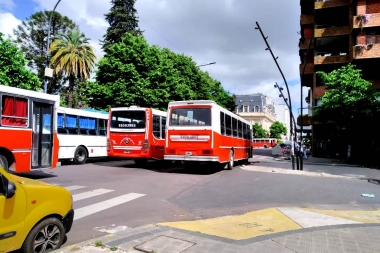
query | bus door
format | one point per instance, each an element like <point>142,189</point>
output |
<point>42,140</point>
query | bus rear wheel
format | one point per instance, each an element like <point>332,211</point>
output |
<point>140,161</point>
<point>4,163</point>
<point>230,163</point>
<point>80,155</point>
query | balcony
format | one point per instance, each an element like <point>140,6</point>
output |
<point>306,120</point>
<point>321,31</point>
<point>331,59</point>
<point>369,20</point>
<point>366,51</point>
<point>330,3</point>
<point>307,19</point>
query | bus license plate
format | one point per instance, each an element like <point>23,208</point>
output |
<point>127,151</point>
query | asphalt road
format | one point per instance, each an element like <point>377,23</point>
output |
<point>162,193</point>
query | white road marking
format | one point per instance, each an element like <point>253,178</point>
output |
<point>111,230</point>
<point>74,187</point>
<point>91,209</point>
<point>89,194</point>
<point>307,219</point>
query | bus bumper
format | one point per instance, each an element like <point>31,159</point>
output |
<point>192,158</point>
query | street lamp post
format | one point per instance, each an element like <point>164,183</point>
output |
<point>207,64</point>
<point>48,71</point>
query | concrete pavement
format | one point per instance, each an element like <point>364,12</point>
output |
<point>283,229</point>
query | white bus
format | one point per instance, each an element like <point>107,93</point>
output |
<point>82,134</point>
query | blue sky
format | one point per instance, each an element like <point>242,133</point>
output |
<point>220,31</point>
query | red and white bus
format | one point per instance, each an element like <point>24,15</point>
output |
<point>28,130</point>
<point>136,133</point>
<point>264,142</point>
<point>201,130</point>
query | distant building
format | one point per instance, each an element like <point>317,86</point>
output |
<point>256,108</point>
<point>283,116</point>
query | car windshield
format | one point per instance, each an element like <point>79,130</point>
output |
<point>128,119</point>
<point>190,117</point>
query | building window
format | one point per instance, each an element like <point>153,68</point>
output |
<point>257,108</point>
<point>246,108</point>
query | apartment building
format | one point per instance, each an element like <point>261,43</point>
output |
<point>256,108</point>
<point>341,32</point>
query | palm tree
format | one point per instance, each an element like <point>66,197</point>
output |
<point>73,56</point>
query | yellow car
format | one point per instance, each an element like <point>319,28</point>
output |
<point>34,216</point>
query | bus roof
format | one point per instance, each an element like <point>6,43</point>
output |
<point>198,102</point>
<point>135,108</point>
<point>29,93</point>
<point>83,112</point>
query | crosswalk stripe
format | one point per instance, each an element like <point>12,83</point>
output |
<point>94,208</point>
<point>74,187</point>
<point>89,194</point>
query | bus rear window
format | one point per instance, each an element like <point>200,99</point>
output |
<point>190,117</point>
<point>128,119</point>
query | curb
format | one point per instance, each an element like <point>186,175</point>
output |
<point>100,238</point>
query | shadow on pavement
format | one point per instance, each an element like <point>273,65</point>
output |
<point>374,181</point>
<point>35,174</point>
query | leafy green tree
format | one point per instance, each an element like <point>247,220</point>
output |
<point>258,131</point>
<point>31,37</point>
<point>122,19</point>
<point>73,56</point>
<point>277,129</point>
<point>13,71</point>
<point>80,98</point>
<point>349,98</point>
<point>135,73</point>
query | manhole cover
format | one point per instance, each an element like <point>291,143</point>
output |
<point>164,244</point>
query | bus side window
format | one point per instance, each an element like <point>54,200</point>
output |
<point>222,127</point>
<point>234,127</point>
<point>72,124</point>
<point>87,126</point>
<point>156,126</point>
<point>244,131</point>
<point>14,111</point>
<point>60,124</point>
<point>163,127</point>
<point>228,125</point>
<point>102,129</point>
<point>240,128</point>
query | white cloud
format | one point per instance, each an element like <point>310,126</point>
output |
<point>8,22</point>
<point>221,31</point>
<point>6,5</point>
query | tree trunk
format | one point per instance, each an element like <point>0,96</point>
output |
<point>71,91</point>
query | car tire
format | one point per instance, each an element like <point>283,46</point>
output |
<point>4,163</point>
<point>80,155</point>
<point>231,160</point>
<point>49,235</point>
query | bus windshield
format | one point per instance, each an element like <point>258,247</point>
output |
<point>190,117</point>
<point>128,119</point>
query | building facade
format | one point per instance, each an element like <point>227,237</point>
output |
<point>256,108</point>
<point>283,116</point>
<point>340,32</point>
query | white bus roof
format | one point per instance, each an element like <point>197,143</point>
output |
<point>135,108</point>
<point>29,93</point>
<point>83,112</point>
<point>198,102</point>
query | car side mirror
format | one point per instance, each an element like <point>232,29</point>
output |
<point>8,189</point>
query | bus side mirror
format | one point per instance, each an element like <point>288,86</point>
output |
<point>8,189</point>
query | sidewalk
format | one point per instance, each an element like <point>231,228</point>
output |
<point>313,232</point>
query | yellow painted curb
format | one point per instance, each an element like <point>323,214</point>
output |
<point>354,215</point>
<point>249,225</point>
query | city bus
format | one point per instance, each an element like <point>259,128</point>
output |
<point>28,130</point>
<point>136,133</point>
<point>82,134</point>
<point>264,142</point>
<point>203,131</point>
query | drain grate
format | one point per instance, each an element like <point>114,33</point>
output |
<point>164,244</point>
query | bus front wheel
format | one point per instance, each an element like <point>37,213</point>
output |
<point>80,155</point>
<point>230,163</point>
